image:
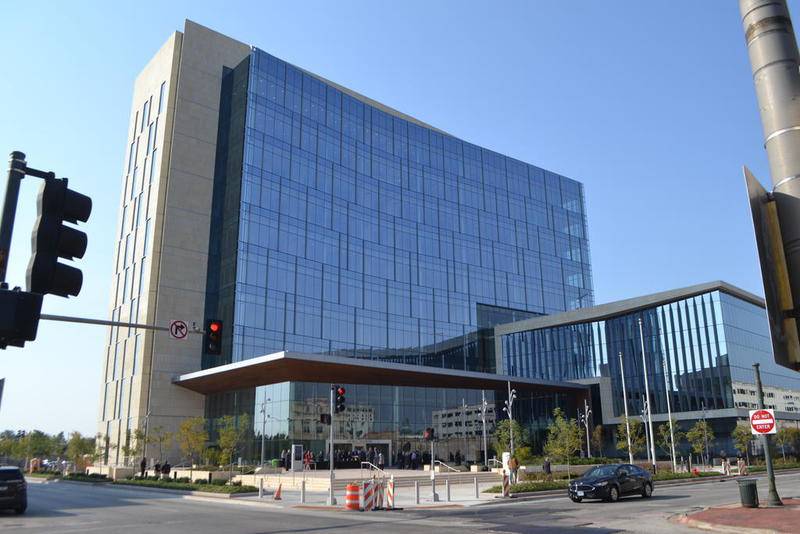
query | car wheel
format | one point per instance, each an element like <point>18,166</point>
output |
<point>613,494</point>
<point>20,510</point>
<point>647,490</point>
<point>576,499</point>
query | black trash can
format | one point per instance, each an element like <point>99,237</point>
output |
<point>748,492</point>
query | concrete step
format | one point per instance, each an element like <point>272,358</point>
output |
<point>320,483</point>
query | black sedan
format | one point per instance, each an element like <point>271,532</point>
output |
<point>610,482</point>
<point>13,489</point>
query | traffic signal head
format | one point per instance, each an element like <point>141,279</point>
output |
<point>428,434</point>
<point>214,337</point>
<point>51,240</point>
<point>339,405</point>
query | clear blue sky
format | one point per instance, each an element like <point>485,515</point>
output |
<point>649,104</point>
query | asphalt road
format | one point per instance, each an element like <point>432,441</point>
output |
<point>71,507</point>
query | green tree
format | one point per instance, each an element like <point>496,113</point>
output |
<point>502,435</point>
<point>787,436</point>
<point>192,437</point>
<point>79,449</point>
<point>664,439</point>
<point>134,445</point>
<point>563,438</point>
<point>637,436</point>
<point>231,435</point>
<point>162,438</point>
<point>742,436</point>
<point>597,440</point>
<point>700,437</point>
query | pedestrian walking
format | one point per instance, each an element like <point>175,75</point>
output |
<point>157,468</point>
<point>165,470</point>
<point>142,467</point>
<point>547,469</point>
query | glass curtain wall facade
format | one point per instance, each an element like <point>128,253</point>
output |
<point>365,233</point>
<point>706,343</point>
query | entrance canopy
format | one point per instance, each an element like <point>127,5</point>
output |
<point>298,367</point>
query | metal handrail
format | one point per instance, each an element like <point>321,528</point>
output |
<point>372,467</point>
<point>495,460</point>
<point>447,466</point>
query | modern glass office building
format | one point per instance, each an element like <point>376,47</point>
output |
<point>346,228</point>
<point>699,346</point>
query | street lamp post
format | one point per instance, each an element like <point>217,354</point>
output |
<point>647,394</point>
<point>669,414</point>
<point>584,418</point>
<point>646,433</point>
<point>263,425</point>
<point>484,405</point>
<point>512,394</point>
<point>705,434</point>
<point>625,403</point>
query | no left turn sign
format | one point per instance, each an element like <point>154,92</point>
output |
<point>762,422</point>
<point>178,329</point>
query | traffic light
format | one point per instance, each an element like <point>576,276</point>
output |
<point>52,240</point>
<point>19,317</point>
<point>214,337</point>
<point>339,406</point>
<point>428,434</point>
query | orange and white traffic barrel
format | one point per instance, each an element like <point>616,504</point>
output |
<point>352,497</point>
<point>506,486</point>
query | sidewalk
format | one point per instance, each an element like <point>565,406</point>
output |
<point>735,518</point>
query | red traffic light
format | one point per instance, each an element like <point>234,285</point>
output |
<point>340,391</point>
<point>214,326</point>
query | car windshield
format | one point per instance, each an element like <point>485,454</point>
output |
<point>602,471</point>
<point>10,474</point>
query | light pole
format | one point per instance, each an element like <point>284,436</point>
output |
<point>263,425</point>
<point>646,433</point>
<point>584,418</point>
<point>647,394</point>
<point>331,497</point>
<point>669,413</point>
<point>484,405</point>
<point>464,428</point>
<point>625,403</point>
<point>509,404</point>
<point>705,434</point>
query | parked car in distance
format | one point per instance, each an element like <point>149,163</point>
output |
<point>13,489</point>
<point>610,482</point>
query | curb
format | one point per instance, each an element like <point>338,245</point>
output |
<point>684,519</point>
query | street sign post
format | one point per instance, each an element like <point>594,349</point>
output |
<point>762,422</point>
<point>178,329</point>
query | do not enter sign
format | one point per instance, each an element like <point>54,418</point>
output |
<point>762,422</point>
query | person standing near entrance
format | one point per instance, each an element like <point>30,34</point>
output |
<point>381,461</point>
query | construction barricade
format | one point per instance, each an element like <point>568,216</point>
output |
<point>506,486</point>
<point>370,495</point>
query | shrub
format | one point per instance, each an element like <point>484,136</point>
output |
<point>218,482</point>
<point>523,487</point>
<point>184,480</point>
<point>169,484</point>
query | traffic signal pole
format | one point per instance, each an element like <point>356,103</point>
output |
<point>331,497</point>
<point>17,170</point>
